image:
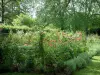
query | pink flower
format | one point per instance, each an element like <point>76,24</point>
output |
<point>26,44</point>
<point>52,43</point>
<point>78,39</point>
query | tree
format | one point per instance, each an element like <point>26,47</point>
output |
<point>54,11</point>
<point>2,11</point>
<point>11,9</point>
<point>24,19</point>
<point>68,13</point>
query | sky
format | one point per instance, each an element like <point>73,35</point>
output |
<point>33,12</point>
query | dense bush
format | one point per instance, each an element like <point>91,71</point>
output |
<point>71,64</point>
<point>78,62</point>
<point>24,19</point>
<point>17,48</point>
<point>15,27</point>
<point>61,46</point>
<point>93,43</point>
<point>8,28</point>
<point>46,51</point>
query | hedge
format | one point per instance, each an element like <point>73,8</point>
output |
<point>15,27</point>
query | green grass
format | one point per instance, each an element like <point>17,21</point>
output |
<point>19,74</point>
<point>92,69</point>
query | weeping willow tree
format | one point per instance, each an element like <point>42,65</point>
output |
<point>66,14</point>
<point>54,11</point>
<point>69,14</point>
<point>83,11</point>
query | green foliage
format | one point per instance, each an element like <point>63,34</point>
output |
<point>71,64</point>
<point>30,64</point>
<point>94,66</point>
<point>70,42</point>
<point>46,51</point>
<point>85,56</point>
<point>93,43</point>
<point>18,47</point>
<point>23,19</point>
<point>95,21</point>
<point>61,46</point>
<point>20,74</point>
<point>79,21</point>
<point>49,49</point>
<point>69,14</point>
<point>9,27</point>
<point>11,9</point>
<point>78,62</point>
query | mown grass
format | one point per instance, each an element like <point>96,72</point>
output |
<point>92,69</point>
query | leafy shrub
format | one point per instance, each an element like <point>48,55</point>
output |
<point>17,48</point>
<point>62,46</point>
<point>80,62</point>
<point>8,28</point>
<point>71,64</point>
<point>24,19</point>
<point>68,42</point>
<point>93,45</point>
<point>46,51</point>
<point>15,27</point>
<point>85,56</point>
<point>30,64</point>
<point>77,62</point>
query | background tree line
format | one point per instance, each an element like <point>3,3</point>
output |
<point>66,14</point>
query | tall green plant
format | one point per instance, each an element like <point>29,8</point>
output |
<point>24,19</point>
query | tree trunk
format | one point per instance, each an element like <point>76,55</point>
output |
<point>2,11</point>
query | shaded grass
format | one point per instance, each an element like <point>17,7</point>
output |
<point>92,69</point>
<point>20,74</point>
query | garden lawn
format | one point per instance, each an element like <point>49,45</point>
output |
<point>92,69</point>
